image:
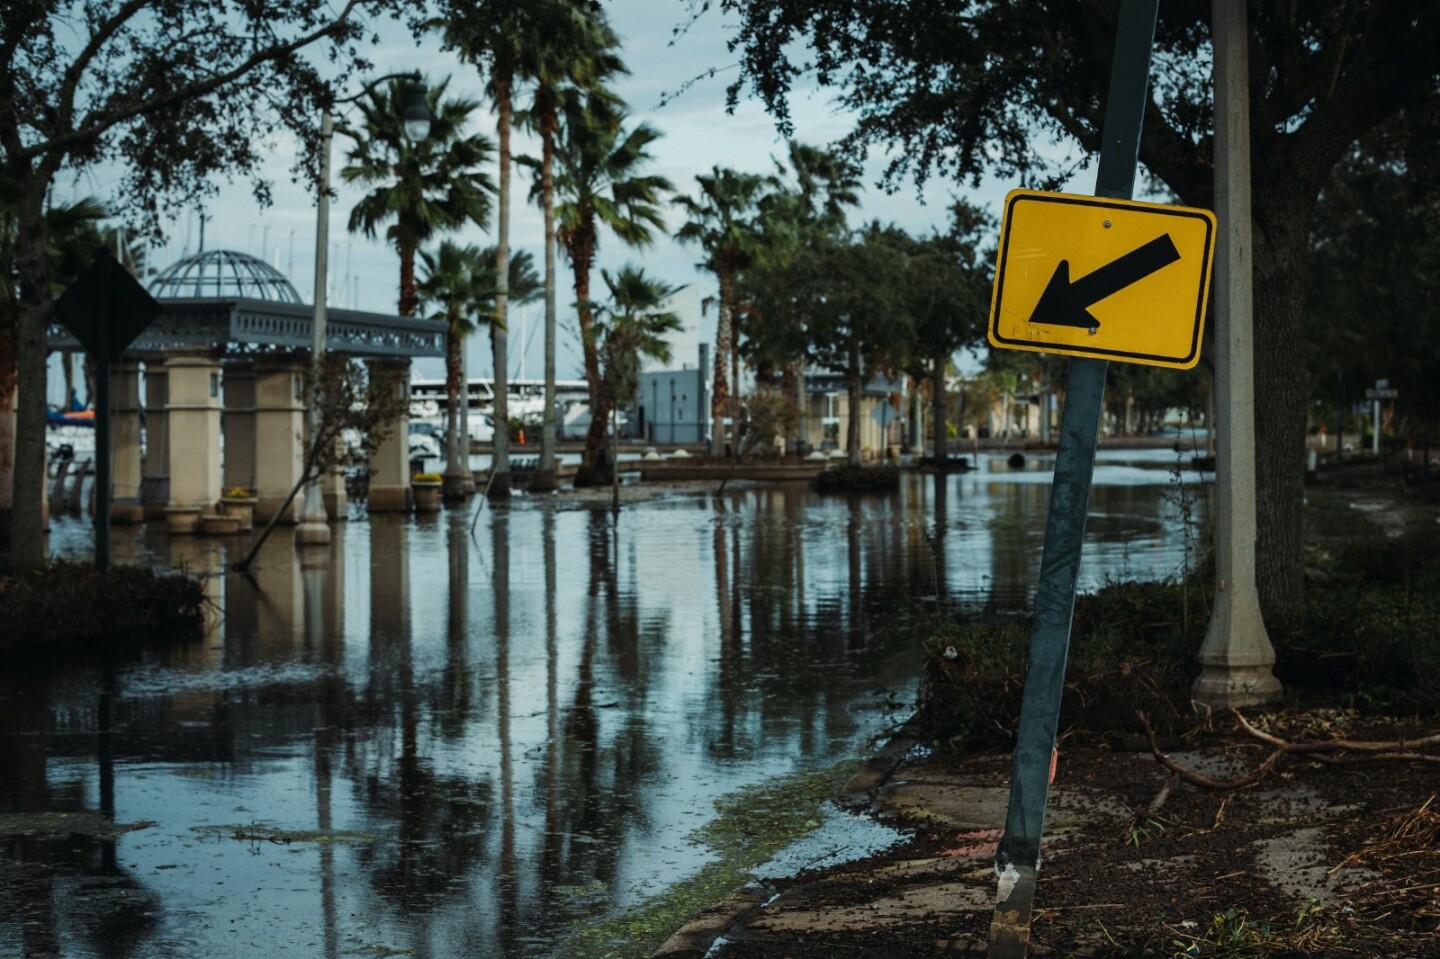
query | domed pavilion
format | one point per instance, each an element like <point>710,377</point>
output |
<point>222,373</point>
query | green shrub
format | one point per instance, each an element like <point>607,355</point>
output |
<point>67,609</point>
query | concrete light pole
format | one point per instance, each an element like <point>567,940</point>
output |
<point>1236,657</point>
<point>313,528</point>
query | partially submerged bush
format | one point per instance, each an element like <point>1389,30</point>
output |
<point>67,608</point>
<point>975,674</point>
<point>1367,639</point>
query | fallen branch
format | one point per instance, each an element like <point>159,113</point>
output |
<point>1331,744</point>
<point>1395,749</point>
<point>1198,779</point>
<point>1330,752</point>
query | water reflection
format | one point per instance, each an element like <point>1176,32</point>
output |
<point>429,742</point>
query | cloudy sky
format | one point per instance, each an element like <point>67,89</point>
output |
<point>698,134</point>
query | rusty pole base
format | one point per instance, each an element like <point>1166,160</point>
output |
<point>1010,926</point>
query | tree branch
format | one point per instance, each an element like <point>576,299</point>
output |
<point>82,61</point>
<point>98,123</point>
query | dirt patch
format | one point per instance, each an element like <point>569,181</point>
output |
<point>1313,860</point>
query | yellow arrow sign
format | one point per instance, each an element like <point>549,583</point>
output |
<point>1108,279</point>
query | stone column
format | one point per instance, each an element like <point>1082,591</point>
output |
<point>390,465</point>
<point>155,472</point>
<point>125,442</point>
<point>239,425</point>
<point>193,411</point>
<point>279,428</point>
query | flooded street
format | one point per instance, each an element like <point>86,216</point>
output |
<point>423,742</point>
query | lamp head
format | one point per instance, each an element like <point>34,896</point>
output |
<point>417,114</point>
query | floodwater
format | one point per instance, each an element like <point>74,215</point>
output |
<point>430,743</point>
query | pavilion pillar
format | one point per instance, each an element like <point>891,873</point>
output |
<point>155,471</point>
<point>125,469</point>
<point>279,432</point>
<point>390,464</point>
<point>239,425</point>
<point>193,411</point>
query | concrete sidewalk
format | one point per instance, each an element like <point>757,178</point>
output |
<point>1118,877</point>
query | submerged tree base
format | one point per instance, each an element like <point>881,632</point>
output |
<point>68,609</point>
<point>858,479</point>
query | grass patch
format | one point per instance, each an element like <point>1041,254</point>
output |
<point>751,826</point>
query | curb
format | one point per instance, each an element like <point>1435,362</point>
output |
<point>695,939</point>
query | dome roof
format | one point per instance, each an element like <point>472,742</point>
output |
<point>223,274</point>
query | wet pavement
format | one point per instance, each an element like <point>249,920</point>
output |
<point>424,742</point>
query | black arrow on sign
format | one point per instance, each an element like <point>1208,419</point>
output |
<point>1066,303</point>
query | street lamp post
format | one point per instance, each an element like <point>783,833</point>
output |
<point>313,528</point>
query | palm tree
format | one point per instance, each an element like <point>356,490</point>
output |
<point>721,221</point>
<point>574,53</point>
<point>827,182</point>
<point>449,283</point>
<point>492,35</point>
<point>825,185</point>
<point>492,299</point>
<point>598,186</point>
<point>523,285</point>
<point>434,185</point>
<point>633,325</point>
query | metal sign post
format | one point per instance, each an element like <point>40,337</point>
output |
<point>1018,856</point>
<point>105,308</point>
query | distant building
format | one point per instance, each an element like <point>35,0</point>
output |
<point>674,405</point>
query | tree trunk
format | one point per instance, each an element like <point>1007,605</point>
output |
<point>937,415</point>
<point>454,462</point>
<point>720,393</point>
<point>27,532</point>
<point>582,255</point>
<point>600,409</point>
<point>499,485</point>
<point>1282,231</point>
<point>545,478</point>
<point>790,386</point>
<point>409,299</point>
<point>852,424</point>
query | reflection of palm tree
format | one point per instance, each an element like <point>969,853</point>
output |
<point>437,817</point>
<point>507,906</point>
<point>433,185</point>
<point>456,685</point>
<point>550,861</point>
<point>732,679</point>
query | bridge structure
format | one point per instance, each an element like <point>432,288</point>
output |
<point>211,396</point>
